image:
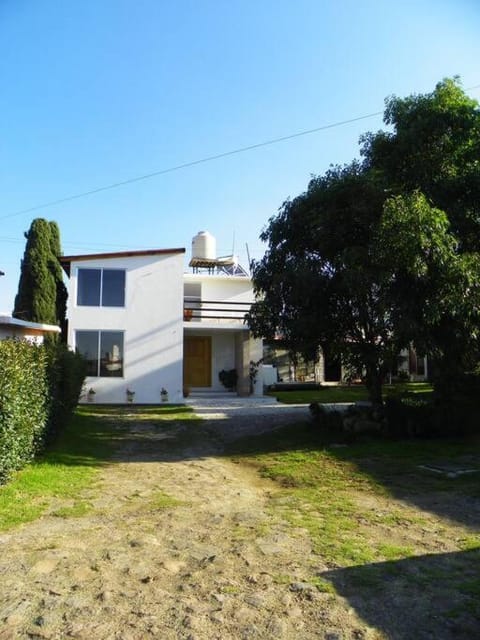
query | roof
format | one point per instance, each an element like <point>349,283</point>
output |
<point>6,320</point>
<point>66,261</point>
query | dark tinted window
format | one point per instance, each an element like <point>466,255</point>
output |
<point>113,288</point>
<point>87,345</point>
<point>88,287</point>
<point>103,351</point>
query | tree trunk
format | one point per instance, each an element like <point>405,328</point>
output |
<point>373,383</point>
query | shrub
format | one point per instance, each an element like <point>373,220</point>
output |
<point>408,417</point>
<point>364,418</point>
<point>228,378</point>
<point>39,390</point>
<point>326,419</point>
<point>66,374</point>
<point>23,403</point>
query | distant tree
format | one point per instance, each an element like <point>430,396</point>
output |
<point>41,293</point>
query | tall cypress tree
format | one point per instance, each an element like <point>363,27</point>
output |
<point>41,293</point>
<point>56,270</point>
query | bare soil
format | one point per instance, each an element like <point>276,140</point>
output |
<point>216,562</point>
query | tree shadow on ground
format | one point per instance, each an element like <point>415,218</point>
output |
<point>171,433</point>
<point>436,596</point>
<point>397,465</point>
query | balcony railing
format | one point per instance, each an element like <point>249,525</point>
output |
<point>218,311</point>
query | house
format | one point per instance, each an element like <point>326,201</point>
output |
<point>21,329</point>
<point>144,325</point>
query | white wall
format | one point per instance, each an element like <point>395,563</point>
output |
<point>152,321</point>
<point>223,288</point>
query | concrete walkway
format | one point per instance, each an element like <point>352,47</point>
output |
<point>232,417</point>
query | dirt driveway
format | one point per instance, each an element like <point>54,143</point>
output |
<point>181,544</point>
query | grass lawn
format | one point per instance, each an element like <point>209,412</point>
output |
<point>346,393</point>
<point>373,516</point>
<point>71,464</point>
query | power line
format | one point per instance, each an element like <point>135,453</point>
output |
<point>193,163</point>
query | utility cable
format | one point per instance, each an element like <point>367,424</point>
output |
<point>193,163</point>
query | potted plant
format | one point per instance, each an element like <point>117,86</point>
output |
<point>229,378</point>
<point>130,395</point>
<point>91,395</point>
<point>164,395</point>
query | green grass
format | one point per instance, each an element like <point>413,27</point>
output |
<point>69,467</point>
<point>374,546</point>
<point>79,509</point>
<point>321,486</point>
<point>352,393</point>
<point>160,500</point>
<point>64,470</point>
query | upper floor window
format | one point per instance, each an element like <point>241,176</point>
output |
<point>101,287</point>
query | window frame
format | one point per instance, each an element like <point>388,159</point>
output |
<point>100,293</point>
<point>99,333</point>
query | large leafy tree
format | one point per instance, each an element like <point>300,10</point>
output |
<point>41,293</point>
<point>382,253</point>
<point>435,287</point>
<point>320,283</point>
<point>434,149</point>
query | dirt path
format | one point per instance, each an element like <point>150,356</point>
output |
<point>217,564</point>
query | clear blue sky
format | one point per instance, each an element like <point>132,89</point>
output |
<point>99,91</point>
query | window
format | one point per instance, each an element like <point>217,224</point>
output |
<point>103,351</point>
<point>101,287</point>
<point>88,288</point>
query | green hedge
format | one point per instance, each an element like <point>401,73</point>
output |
<point>39,387</point>
<point>66,373</point>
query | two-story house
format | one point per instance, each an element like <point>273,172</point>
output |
<point>143,325</point>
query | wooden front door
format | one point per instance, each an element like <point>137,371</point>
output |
<point>197,361</point>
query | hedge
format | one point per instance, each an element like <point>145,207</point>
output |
<point>39,388</point>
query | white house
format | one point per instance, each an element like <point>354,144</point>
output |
<point>144,325</point>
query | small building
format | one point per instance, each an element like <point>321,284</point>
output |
<point>22,329</point>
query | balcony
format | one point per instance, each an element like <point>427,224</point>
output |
<point>217,312</point>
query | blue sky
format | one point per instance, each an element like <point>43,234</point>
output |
<point>100,91</point>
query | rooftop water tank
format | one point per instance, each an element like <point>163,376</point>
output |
<point>204,246</point>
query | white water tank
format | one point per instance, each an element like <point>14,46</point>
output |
<point>204,246</point>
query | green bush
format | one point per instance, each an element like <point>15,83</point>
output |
<point>456,398</point>
<point>40,386</point>
<point>413,417</point>
<point>326,419</point>
<point>228,378</point>
<point>66,374</point>
<point>23,403</point>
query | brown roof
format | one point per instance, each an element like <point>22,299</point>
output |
<point>65,261</point>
